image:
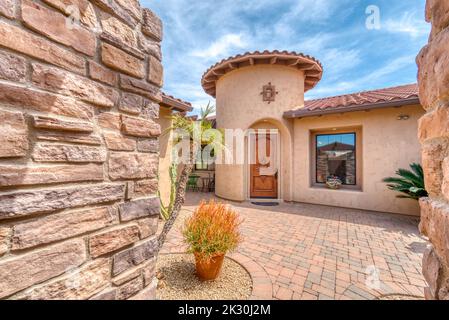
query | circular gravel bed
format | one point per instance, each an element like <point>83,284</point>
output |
<point>177,280</point>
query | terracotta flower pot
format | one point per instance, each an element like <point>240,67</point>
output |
<point>208,270</point>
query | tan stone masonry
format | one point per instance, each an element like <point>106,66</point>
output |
<point>78,149</point>
<point>433,62</point>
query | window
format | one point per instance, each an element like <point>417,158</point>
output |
<point>207,161</point>
<point>336,157</point>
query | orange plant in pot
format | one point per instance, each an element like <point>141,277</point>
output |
<point>211,232</point>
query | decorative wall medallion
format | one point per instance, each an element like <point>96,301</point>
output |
<point>269,93</point>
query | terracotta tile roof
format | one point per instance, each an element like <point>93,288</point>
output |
<point>312,67</point>
<point>175,103</point>
<point>382,98</point>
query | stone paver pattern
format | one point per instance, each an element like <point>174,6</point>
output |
<point>313,252</point>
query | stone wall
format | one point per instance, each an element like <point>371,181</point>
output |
<point>78,149</point>
<point>433,62</point>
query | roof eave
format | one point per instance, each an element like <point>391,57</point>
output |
<point>170,103</point>
<point>298,114</point>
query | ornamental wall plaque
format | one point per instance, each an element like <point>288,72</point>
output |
<point>269,93</point>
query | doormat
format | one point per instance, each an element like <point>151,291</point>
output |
<point>266,204</point>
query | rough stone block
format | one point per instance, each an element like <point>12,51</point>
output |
<point>102,74</point>
<point>133,257</point>
<point>140,127</point>
<point>139,209</point>
<point>152,25</point>
<point>67,153</point>
<point>13,135</point>
<point>118,30</point>
<point>124,166</point>
<point>80,138</point>
<point>108,120</point>
<point>150,46</point>
<point>121,61</point>
<point>437,12</point>
<point>54,26</point>
<point>27,202</point>
<point>149,293</point>
<point>112,240</point>
<point>63,82</point>
<point>432,270</point>
<point>106,295</point>
<point>140,87</point>
<point>26,175</point>
<point>37,47</point>
<point>433,154</point>
<point>86,10</point>
<point>12,67</point>
<point>117,142</point>
<point>60,226</point>
<point>131,103</point>
<point>148,145</point>
<point>434,124</point>
<point>129,289</point>
<point>8,8</point>
<point>115,9</point>
<point>41,122</point>
<point>5,233</point>
<point>148,226</point>
<point>155,72</point>
<point>145,187</point>
<point>26,270</point>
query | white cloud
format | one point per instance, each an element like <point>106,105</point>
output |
<point>408,24</point>
<point>222,46</point>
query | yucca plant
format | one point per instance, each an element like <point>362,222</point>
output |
<point>409,182</point>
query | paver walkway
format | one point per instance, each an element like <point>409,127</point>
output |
<point>319,252</point>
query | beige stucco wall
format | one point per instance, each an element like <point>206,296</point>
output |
<point>240,106</point>
<point>387,144</point>
<point>165,156</point>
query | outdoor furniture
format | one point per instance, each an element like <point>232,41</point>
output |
<point>206,183</point>
<point>192,183</point>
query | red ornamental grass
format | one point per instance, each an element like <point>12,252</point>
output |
<point>212,230</point>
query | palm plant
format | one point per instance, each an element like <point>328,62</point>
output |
<point>199,132</point>
<point>409,182</point>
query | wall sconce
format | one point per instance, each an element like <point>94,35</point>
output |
<point>403,117</point>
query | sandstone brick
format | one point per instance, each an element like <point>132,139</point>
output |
<point>8,8</point>
<point>152,25</point>
<point>433,154</point>
<point>139,209</point>
<point>437,12</point>
<point>124,166</point>
<point>149,293</point>
<point>445,183</point>
<point>150,110</point>
<point>22,97</point>
<point>434,124</point>
<point>147,227</point>
<point>129,289</point>
<point>4,239</point>
<point>54,26</point>
<point>116,42</point>
<point>113,8</point>
<point>140,87</point>
<point>150,46</point>
<point>145,187</point>
<point>131,103</point>
<point>112,240</point>
<point>148,145</point>
<point>118,30</point>
<point>90,139</point>
<point>27,202</point>
<point>60,226</point>
<point>432,270</point>
<point>433,74</point>
<point>67,153</point>
<point>26,175</point>
<point>12,68</point>
<point>132,7</point>
<point>86,10</point>
<point>37,47</point>
<point>25,270</point>
<point>41,122</point>
<point>127,276</point>
<point>107,295</point>
<point>110,120</point>
<point>149,271</point>
<point>59,81</point>
<point>121,61</point>
<point>155,72</point>
<point>140,127</point>
<point>443,294</point>
<point>102,74</point>
<point>133,257</point>
<point>77,285</point>
<point>13,135</point>
<point>117,142</point>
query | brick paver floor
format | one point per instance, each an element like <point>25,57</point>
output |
<point>319,252</point>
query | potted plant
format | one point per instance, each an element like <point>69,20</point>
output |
<point>211,232</point>
<point>333,182</point>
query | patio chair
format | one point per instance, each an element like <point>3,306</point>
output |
<point>192,183</point>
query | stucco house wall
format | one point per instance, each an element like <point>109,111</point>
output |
<point>387,145</point>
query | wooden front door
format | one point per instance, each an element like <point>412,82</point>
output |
<point>263,179</point>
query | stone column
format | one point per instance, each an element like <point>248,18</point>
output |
<point>433,62</point>
<point>78,103</point>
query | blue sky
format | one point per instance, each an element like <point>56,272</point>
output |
<point>197,34</point>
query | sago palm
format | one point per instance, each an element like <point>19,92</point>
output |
<point>194,129</point>
<point>409,182</point>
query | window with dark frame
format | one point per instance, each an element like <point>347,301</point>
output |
<point>336,158</point>
<point>206,164</point>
